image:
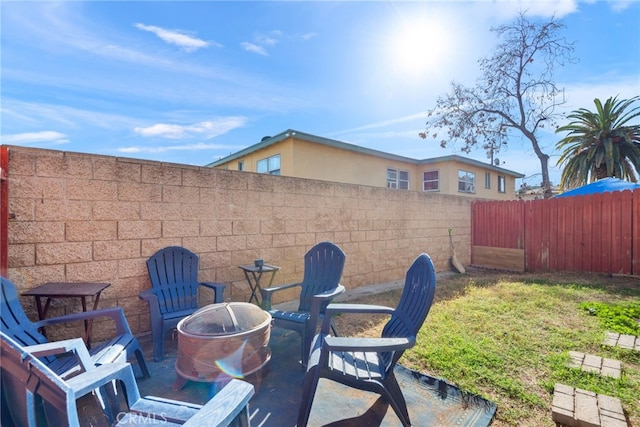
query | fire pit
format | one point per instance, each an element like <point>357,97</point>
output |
<point>222,341</point>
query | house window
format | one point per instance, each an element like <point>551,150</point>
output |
<point>466,182</point>
<point>241,165</point>
<point>397,179</point>
<point>270,165</point>
<point>431,181</point>
<point>487,180</point>
<point>501,184</point>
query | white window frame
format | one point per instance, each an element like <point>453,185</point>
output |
<point>396,179</point>
<point>487,180</point>
<point>241,165</point>
<point>502,184</point>
<point>270,165</point>
<point>437,180</point>
<point>466,181</point>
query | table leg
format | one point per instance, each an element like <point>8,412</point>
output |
<point>251,286</point>
<point>256,286</point>
<point>88,324</point>
<point>42,312</point>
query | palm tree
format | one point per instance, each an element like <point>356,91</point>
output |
<point>600,144</point>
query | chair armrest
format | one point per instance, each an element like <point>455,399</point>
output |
<point>74,345</point>
<point>318,299</point>
<point>335,308</point>
<point>268,292</point>
<point>379,345</point>
<point>218,289</point>
<point>316,306</point>
<point>225,406</point>
<point>341,308</point>
<point>148,294</point>
<point>115,313</point>
<point>329,294</point>
<point>103,375</point>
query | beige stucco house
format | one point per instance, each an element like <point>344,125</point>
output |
<point>301,155</point>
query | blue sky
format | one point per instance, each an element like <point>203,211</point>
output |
<point>190,82</point>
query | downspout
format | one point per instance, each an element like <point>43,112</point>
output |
<point>4,210</point>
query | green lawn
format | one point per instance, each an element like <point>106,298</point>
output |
<point>508,340</point>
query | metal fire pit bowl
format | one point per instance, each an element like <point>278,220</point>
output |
<point>222,341</point>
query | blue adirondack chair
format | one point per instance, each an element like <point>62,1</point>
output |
<point>18,326</point>
<point>36,396</point>
<point>368,363</point>
<point>173,272</point>
<point>323,265</point>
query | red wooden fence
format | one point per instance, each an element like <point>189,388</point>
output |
<point>595,233</point>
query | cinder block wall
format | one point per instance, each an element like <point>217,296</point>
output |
<point>83,217</point>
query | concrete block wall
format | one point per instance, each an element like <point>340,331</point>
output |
<point>84,217</point>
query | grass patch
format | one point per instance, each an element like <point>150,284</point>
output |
<point>508,341</point>
<point>623,318</point>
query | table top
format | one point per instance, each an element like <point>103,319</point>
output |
<point>66,289</point>
<point>265,268</point>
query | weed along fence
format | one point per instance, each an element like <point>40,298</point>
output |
<point>74,217</point>
<point>597,233</point>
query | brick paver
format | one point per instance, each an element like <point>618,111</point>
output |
<point>589,363</point>
<point>573,407</point>
<point>628,342</point>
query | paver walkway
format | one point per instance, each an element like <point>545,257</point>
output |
<point>628,342</point>
<point>596,364</point>
<point>574,407</point>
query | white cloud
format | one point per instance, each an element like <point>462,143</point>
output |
<point>268,39</point>
<point>50,136</point>
<point>30,114</point>
<point>262,41</point>
<point>309,36</point>
<point>620,5</point>
<point>542,8</point>
<point>177,38</point>
<point>250,47</point>
<point>206,129</point>
<point>188,147</point>
<point>581,94</point>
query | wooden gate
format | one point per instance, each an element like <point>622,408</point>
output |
<point>595,233</point>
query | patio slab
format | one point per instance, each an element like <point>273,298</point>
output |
<point>431,401</point>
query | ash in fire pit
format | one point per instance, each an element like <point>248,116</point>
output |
<point>221,341</point>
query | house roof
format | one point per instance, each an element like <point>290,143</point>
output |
<point>601,186</point>
<point>267,141</point>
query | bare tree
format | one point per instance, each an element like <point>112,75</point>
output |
<point>516,92</point>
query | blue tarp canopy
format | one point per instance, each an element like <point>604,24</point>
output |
<point>601,186</point>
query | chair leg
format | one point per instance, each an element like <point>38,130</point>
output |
<point>394,396</point>
<point>305,347</point>
<point>158,337</point>
<point>309,387</point>
<point>142,363</point>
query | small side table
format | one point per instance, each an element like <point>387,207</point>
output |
<point>52,290</point>
<point>253,275</point>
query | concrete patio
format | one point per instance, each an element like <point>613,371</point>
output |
<point>431,401</point>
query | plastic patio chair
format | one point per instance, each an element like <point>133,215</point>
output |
<point>37,396</point>
<point>18,326</point>
<point>323,265</point>
<point>173,272</point>
<point>368,363</point>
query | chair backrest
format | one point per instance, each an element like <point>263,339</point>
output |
<point>415,303</point>
<point>173,272</point>
<point>14,322</point>
<point>323,266</point>
<point>32,394</point>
